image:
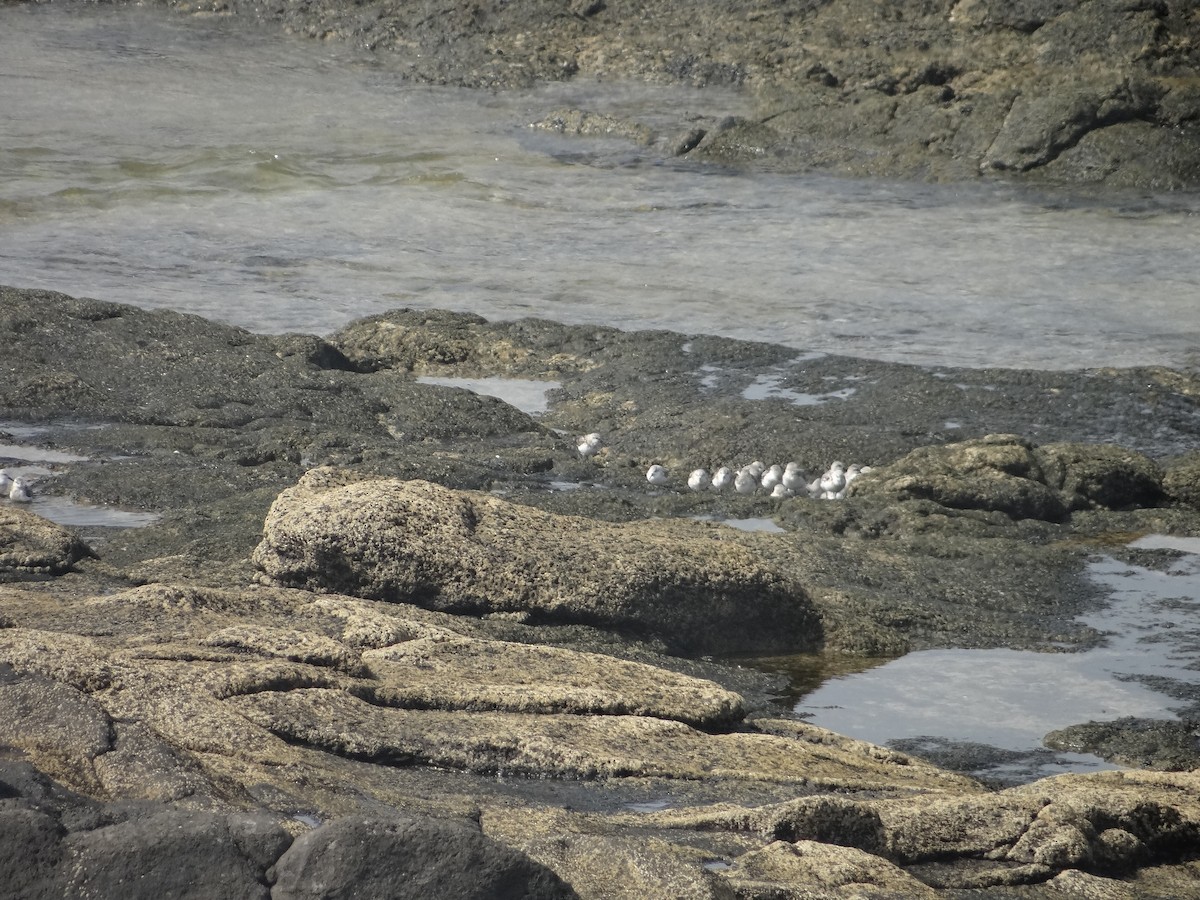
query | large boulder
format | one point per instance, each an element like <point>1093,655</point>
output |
<point>684,583</point>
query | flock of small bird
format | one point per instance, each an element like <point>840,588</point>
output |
<point>15,489</point>
<point>778,481</point>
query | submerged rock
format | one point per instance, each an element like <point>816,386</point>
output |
<point>681,582</point>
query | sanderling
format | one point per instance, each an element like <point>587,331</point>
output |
<point>794,478</point>
<point>746,481</point>
<point>589,445</point>
<point>656,474</point>
<point>722,479</point>
<point>781,490</point>
<point>6,482</point>
<point>698,480</point>
<point>19,492</point>
<point>834,480</point>
<point>772,477</point>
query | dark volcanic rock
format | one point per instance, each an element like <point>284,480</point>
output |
<point>30,850</point>
<point>1144,743</point>
<point>405,857</point>
<point>174,853</point>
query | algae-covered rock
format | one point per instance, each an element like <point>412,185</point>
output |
<point>1182,480</point>
<point>682,582</point>
<point>995,473</point>
<point>1145,743</point>
<point>1007,473</point>
<point>804,868</point>
<point>32,546</point>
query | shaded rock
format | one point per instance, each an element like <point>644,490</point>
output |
<point>32,546</point>
<point>174,853</point>
<point>452,672</point>
<point>407,857</point>
<point>470,553</point>
<point>1100,476</point>
<point>1040,126</point>
<point>30,849</point>
<point>61,729</point>
<point>422,411</point>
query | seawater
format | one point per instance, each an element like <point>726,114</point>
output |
<point>282,184</point>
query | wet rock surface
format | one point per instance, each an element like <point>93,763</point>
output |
<point>452,633</point>
<point>1083,92</point>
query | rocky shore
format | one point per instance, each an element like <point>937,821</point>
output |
<point>1084,92</point>
<point>389,637</point>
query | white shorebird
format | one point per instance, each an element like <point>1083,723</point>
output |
<point>698,480</point>
<point>834,480</point>
<point>794,478</point>
<point>781,491</point>
<point>589,445</point>
<point>19,491</point>
<point>772,477</point>
<point>722,479</point>
<point>5,483</point>
<point>746,481</point>
<point>852,472</point>
<point>756,468</point>
<point>657,475</point>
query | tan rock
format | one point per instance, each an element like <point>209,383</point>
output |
<point>683,582</point>
<point>599,863</point>
<point>568,746</point>
<point>807,869</point>
<point>287,643</point>
<point>465,673</point>
<point>31,545</point>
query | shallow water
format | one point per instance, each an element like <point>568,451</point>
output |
<point>1010,699</point>
<point>286,185</point>
<point>526,395</point>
